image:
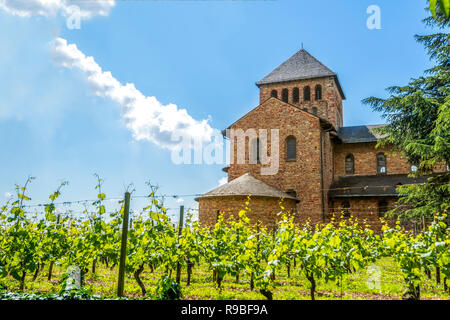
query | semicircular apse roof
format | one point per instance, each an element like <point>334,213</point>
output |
<point>247,185</point>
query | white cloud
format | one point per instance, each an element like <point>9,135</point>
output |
<point>8,195</point>
<point>51,8</point>
<point>223,181</point>
<point>145,116</point>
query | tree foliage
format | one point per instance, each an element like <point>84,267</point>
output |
<point>444,6</point>
<point>418,123</point>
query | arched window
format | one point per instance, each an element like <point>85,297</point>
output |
<point>274,94</point>
<point>318,92</point>
<point>307,93</point>
<point>381,163</point>
<point>291,148</point>
<point>255,152</point>
<point>314,111</point>
<point>349,164</point>
<point>295,95</point>
<point>346,209</point>
<point>285,95</point>
<point>305,109</point>
<point>382,208</point>
<point>292,193</point>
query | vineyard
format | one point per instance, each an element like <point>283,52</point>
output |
<point>232,260</point>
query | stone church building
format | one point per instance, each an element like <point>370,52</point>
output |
<point>324,167</point>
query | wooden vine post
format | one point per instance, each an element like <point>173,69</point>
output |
<point>180,229</point>
<point>123,247</point>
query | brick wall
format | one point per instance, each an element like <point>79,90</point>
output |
<point>303,175</point>
<point>262,209</point>
<point>327,166</point>
<point>365,159</point>
<point>330,107</point>
<point>364,209</point>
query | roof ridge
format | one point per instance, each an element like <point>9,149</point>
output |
<point>320,62</point>
<point>301,65</point>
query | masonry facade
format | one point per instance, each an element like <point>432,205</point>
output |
<point>324,168</point>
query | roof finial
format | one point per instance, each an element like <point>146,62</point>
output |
<point>302,45</point>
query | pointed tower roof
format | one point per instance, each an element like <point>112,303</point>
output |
<point>301,65</point>
<point>247,185</point>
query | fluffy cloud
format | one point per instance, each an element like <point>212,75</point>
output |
<point>49,8</point>
<point>145,116</point>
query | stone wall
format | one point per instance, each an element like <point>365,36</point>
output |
<point>263,209</point>
<point>365,155</point>
<point>329,107</point>
<point>365,159</point>
<point>366,210</point>
<point>302,175</point>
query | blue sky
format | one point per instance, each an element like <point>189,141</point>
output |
<point>203,56</point>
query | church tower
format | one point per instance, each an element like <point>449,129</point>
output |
<point>304,81</point>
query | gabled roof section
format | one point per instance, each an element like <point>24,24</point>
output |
<point>301,65</point>
<point>246,185</point>
<point>323,121</point>
<point>359,134</point>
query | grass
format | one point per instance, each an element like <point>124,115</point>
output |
<point>354,285</point>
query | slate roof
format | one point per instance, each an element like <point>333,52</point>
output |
<point>359,134</point>
<point>301,65</point>
<point>371,186</point>
<point>246,185</point>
